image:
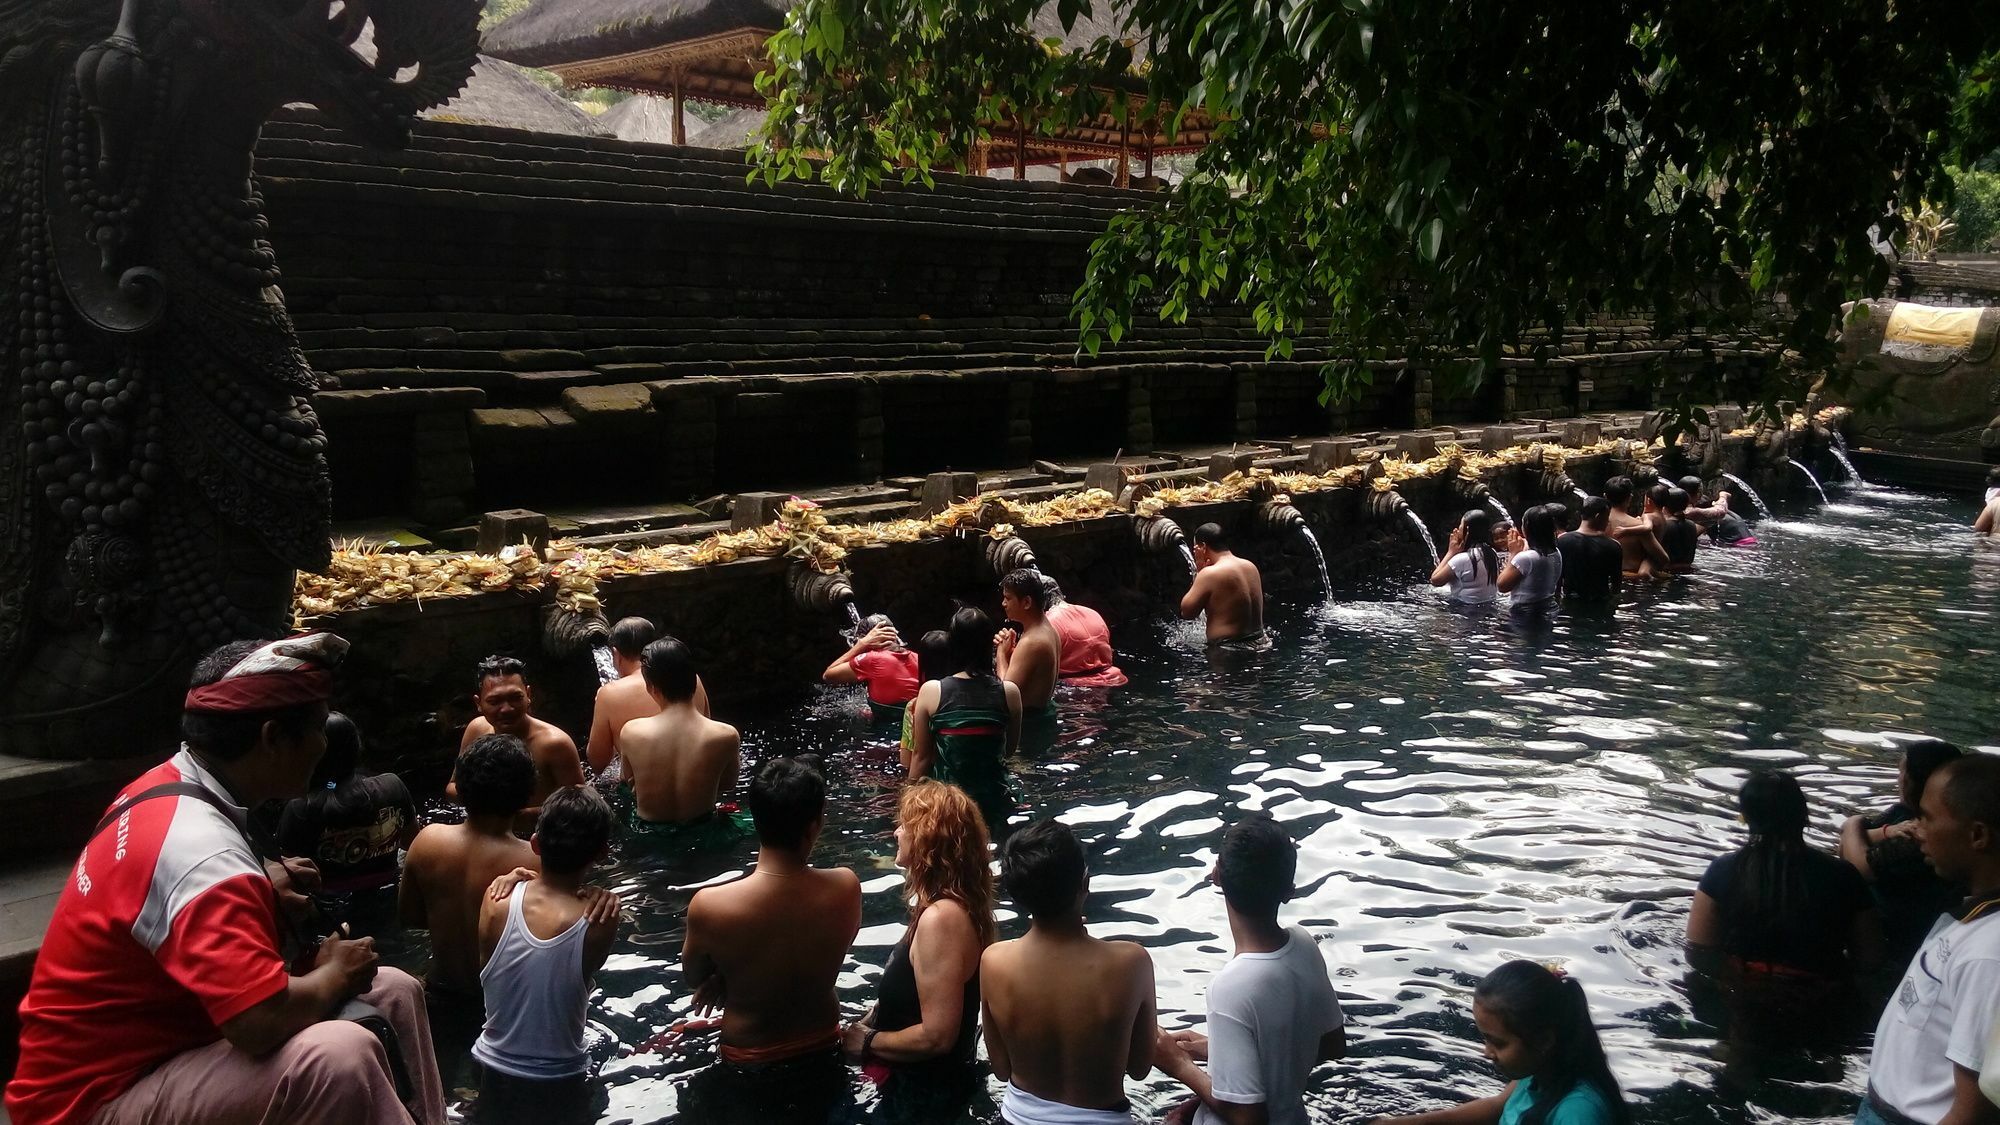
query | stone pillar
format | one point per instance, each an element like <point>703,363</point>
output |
<point>1510,398</point>
<point>755,509</point>
<point>1335,453</point>
<point>1417,447</point>
<point>868,430</point>
<point>1138,413</point>
<point>1246,401</point>
<point>1220,465</point>
<point>1105,475</point>
<point>942,490</point>
<point>508,528</point>
<point>1020,420</point>
<point>1420,398</point>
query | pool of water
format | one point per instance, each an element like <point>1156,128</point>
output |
<point>1464,791</point>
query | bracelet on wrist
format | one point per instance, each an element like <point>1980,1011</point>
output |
<point>868,1042</point>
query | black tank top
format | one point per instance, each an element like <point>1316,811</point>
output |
<point>897,1005</point>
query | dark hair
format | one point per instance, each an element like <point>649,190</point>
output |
<point>1478,524</point>
<point>1595,510</point>
<point>1658,493</point>
<point>1676,502</point>
<point>668,667</point>
<point>1538,527</point>
<point>1025,583</point>
<point>1972,788</point>
<point>229,736</point>
<point>631,636</point>
<point>1692,485</point>
<point>495,775</point>
<point>786,795</point>
<point>876,621</point>
<point>1993,477</point>
<point>1768,903</point>
<point>498,667</point>
<point>343,753</point>
<point>1533,1003</point>
<point>970,641</point>
<point>1052,589</point>
<point>1042,868</point>
<point>1256,865</point>
<point>1921,759</point>
<point>1210,535</point>
<point>1618,491</point>
<point>573,830</point>
<point>933,655</point>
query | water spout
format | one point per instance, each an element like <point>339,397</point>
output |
<point>1159,534</point>
<point>1763,509</point>
<point>1580,493</point>
<point>1809,476</point>
<point>1010,554</point>
<point>1839,452</point>
<point>1423,532</point>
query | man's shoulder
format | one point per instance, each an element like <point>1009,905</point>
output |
<point>545,735</point>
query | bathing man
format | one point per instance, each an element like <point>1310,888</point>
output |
<point>1066,1017</point>
<point>767,949</point>
<point>1230,591</point>
<point>1029,660</point>
<point>505,707</point>
<point>1634,534</point>
<point>679,763</point>
<point>626,698</point>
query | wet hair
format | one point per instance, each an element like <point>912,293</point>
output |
<point>668,667</point>
<point>1025,583</point>
<point>1052,590</point>
<point>1921,759</point>
<point>229,736</point>
<point>1534,1004</point>
<point>1595,510</point>
<point>495,775</point>
<point>498,667</point>
<point>1972,789</point>
<point>1478,523</point>
<point>876,621</point>
<point>786,795</point>
<point>1657,495</point>
<point>1676,501</point>
<point>1691,485</point>
<point>343,753</point>
<point>969,642</point>
<point>1993,477</point>
<point>631,635</point>
<point>1210,535</point>
<point>1256,866</point>
<point>1618,491</point>
<point>1768,902</point>
<point>574,829</point>
<point>933,656</point>
<point>1042,867</point>
<point>947,842</point>
<point>1538,527</point>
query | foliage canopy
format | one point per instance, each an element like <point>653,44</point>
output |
<point>1438,174</point>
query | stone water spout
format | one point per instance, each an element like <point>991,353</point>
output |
<point>1387,505</point>
<point>1158,534</point>
<point>1010,554</point>
<point>1278,517</point>
<point>817,591</point>
<point>578,627</point>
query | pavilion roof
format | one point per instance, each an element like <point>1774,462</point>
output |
<point>500,93</point>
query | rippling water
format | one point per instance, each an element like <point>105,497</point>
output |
<point>1464,791</point>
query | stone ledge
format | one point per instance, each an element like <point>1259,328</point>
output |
<point>391,400</point>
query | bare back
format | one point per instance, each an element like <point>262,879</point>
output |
<point>444,880</point>
<point>1632,534</point>
<point>680,764</point>
<point>618,702</point>
<point>777,943</point>
<point>1067,1018</point>
<point>1036,662</point>
<point>1231,591</point>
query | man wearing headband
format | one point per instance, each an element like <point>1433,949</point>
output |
<point>161,993</point>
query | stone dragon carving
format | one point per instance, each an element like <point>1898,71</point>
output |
<point>162,472</point>
<point>1937,401</point>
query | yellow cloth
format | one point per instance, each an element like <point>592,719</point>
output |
<point>1930,325</point>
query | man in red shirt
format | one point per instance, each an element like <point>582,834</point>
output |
<point>161,993</point>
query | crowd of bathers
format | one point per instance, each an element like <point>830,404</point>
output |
<point>203,966</point>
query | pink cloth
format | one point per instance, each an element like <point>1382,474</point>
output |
<point>1086,646</point>
<point>891,675</point>
<point>332,1073</point>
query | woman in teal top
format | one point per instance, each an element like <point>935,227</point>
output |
<point>1536,1028</point>
<point>965,726</point>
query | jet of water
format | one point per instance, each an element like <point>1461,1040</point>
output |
<point>1499,509</point>
<point>1763,509</point>
<point>853,614</point>
<point>1187,556</point>
<point>1839,452</point>
<point>1580,493</point>
<point>607,669</point>
<point>1319,557</point>
<point>1813,479</point>
<point>1417,522</point>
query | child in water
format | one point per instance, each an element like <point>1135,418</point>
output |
<point>1535,1025</point>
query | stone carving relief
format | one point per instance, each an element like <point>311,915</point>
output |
<point>1926,381</point>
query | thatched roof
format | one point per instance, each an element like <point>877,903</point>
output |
<point>641,117</point>
<point>731,130</point>
<point>552,33</point>
<point>503,94</point>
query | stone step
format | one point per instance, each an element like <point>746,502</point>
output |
<point>584,522</point>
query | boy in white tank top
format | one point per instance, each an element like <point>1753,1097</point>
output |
<point>539,945</point>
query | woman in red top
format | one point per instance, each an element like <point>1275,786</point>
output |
<point>879,660</point>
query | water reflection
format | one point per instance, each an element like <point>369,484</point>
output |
<point>1464,791</point>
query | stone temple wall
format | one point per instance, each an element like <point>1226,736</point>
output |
<point>514,319</point>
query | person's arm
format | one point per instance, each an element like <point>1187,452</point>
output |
<point>1988,516</point>
<point>342,970</point>
<point>1864,940</point>
<point>698,969</point>
<point>944,953</point>
<point>410,910</point>
<point>1854,845</point>
<point>923,743</point>
<point>1333,1045</point>
<point>701,698</point>
<point>565,764</point>
<point>598,746</point>
<point>1146,1025</point>
<point>1171,1056</point>
<point>1196,599</point>
<point>602,910</point>
<point>1510,577</point>
<point>1704,928</point>
<point>989,1028</point>
<point>1968,1105</point>
<point>842,671</point>
<point>725,782</point>
<point>493,908</point>
<point>1485,1111</point>
<point>1003,653</point>
<point>1013,719</point>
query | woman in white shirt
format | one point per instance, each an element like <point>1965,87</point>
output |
<point>1471,568</point>
<point>1533,574</point>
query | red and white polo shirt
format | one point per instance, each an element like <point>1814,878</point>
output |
<point>167,929</point>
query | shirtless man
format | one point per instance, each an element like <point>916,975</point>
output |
<point>767,950</point>
<point>1028,661</point>
<point>1679,536</point>
<point>678,761</point>
<point>1706,515</point>
<point>504,708</point>
<point>450,866</point>
<point>1066,1017</point>
<point>1643,553</point>
<point>626,698</point>
<point>1229,590</point>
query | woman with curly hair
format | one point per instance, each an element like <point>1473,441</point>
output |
<point>918,1038</point>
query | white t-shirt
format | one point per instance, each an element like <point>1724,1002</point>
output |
<point>1470,582</point>
<point>1266,1014</point>
<point>1541,577</point>
<point>1938,1016</point>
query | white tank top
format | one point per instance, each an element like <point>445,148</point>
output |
<point>536,1001</point>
